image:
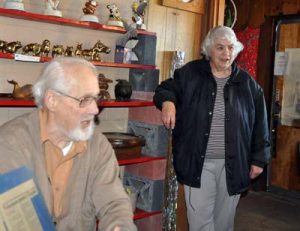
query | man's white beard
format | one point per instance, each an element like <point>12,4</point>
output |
<point>81,135</point>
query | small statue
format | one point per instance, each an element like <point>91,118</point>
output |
<point>114,18</point>
<point>138,10</point>
<point>12,47</point>
<point>58,50</point>
<point>45,50</point>
<point>87,54</point>
<point>69,52</point>
<point>124,45</point>
<point>78,50</point>
<point>2,46</point>
<point>89,10</point>
<point>177,61</point>
<point>103,86</point>
<point>14,5</point>
<point>24,92</point>
<point>51,8</point>
<point>98,48</point>
<point>123,90</point>
<point>37,49</point>
<point>92,54</point>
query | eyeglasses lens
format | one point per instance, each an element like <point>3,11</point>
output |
<point>88,100</point>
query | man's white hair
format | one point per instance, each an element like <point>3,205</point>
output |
<point>56,76</point>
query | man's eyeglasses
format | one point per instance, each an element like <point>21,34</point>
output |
<point>83,101</point>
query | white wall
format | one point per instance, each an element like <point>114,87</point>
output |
<point>112,119</point>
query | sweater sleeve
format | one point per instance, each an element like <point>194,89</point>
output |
<point>113,207</point>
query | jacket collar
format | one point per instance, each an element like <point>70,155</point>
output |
<point>234,77</point>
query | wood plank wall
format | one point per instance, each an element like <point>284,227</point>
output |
<point>255,13</point>
<point>252,12</point>
<point>176,30</point>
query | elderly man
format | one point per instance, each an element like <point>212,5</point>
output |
<point>75,167</point>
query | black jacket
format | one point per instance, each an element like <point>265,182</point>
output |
<point>246,129</point>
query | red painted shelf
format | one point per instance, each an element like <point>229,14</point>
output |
<point>103,64</point>
<point>129,103</point>
<point>7,101</point>
<point>139,214</point>
<point>141,159</point>
<point>65,21</point>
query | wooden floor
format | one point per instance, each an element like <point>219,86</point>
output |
<point>268,211</point>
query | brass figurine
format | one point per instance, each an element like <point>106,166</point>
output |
<point>69,52</point>
<point>98,48</point>
<point>12,47</point>
<point>103,86</point>
<point>37,49</point>
<point>114,18</point>
<point>78,50</point>
<point>89,10</point>
<point>58,50</point>
<point>24,92</point>
<point>90,7</point>
<point>2,46</point>
<point>138,10</point>
<point>92,54</point>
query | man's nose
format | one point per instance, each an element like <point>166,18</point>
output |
<point>93,108</point>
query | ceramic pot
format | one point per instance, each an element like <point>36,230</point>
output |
<point>126,145</point>
<point>123,90</point>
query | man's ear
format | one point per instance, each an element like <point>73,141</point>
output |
<point>50,100</point>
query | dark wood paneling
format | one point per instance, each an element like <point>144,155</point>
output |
<point>285,171</point>
<point>253,12</point>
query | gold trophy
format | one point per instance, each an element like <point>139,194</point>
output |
<point>14,5</point>
<point>51,8</point>
<point>114,18</point>
<point>89,10</point>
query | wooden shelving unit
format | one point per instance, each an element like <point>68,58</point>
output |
<point>139,214</point>
<point>103,64</point>
<point>141,159</point>
<point>6,100</point>
<point>65,21</point>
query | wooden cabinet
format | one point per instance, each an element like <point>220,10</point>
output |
<point>55,27</point>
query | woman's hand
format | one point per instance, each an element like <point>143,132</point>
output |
<point>255,171</point>
<point>168,114</point>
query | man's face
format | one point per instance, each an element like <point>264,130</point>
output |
<point>75,122</point>
<point>221,54</point>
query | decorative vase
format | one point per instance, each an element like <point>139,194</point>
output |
<point>123,90</point>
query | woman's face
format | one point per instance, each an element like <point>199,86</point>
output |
<point>221,54</point>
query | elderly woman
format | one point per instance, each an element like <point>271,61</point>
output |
<point>220,136</point>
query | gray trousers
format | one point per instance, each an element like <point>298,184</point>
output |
<point>210,208</point>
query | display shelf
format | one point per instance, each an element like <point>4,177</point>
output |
<point>65,21</point>
<point>139,214</point>
<point>103,64</point>
<point>7,101</point>
<point>141,159</point>
<point>128,103</point>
